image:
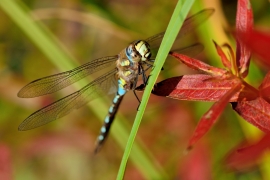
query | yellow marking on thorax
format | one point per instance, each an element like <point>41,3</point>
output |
<point>125,63</point>
<point>126,73</point>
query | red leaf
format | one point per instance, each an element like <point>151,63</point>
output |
<point>258,42</point>
<point>243,158</point>
<point>211,116</point>
<point>265,87</point>
<point>199,65</point>
<point>244,24</point>
<point>244,16</point>
<point>199,87</point>
<point>223,57</point>
<point>256,112</point>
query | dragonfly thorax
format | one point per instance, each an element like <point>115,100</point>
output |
<point>138,51</point>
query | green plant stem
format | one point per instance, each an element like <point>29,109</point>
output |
<point>173,28</point>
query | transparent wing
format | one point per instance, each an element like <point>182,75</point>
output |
<point>106,83</point>
<point>188,26</point>
<point>53,83</point>
<point>191,51</point>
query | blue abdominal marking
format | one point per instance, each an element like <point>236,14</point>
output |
<point>103,130</point>
<point>116,98</point>
<point>111,109</point>
<point>100,137</point>
<point>107,119</point>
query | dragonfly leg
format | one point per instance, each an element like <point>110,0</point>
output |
<point>137,96</point>
<point>137,99</point>
<point>144,70</point>
<point>151,65</point>
<point>141,87</point>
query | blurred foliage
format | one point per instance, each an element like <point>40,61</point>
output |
<point>64,149</point>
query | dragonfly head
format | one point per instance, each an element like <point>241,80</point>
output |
<point>138,50</point>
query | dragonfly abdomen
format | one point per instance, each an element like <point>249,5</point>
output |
<point>109,120</point>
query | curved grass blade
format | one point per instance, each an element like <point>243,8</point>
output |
<point>173,28</point>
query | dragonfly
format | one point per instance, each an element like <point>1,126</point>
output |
<point>132,62</point>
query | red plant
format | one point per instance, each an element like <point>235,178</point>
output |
<point>258,42</point>
<point>245,155</point>
<point>223,85</point>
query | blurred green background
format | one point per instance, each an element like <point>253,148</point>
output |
<point>89,29</point>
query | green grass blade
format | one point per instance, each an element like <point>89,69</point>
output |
<point>49,45</point>
<point>173,28</point>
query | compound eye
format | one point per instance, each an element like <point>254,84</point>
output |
<point>136,55</point>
